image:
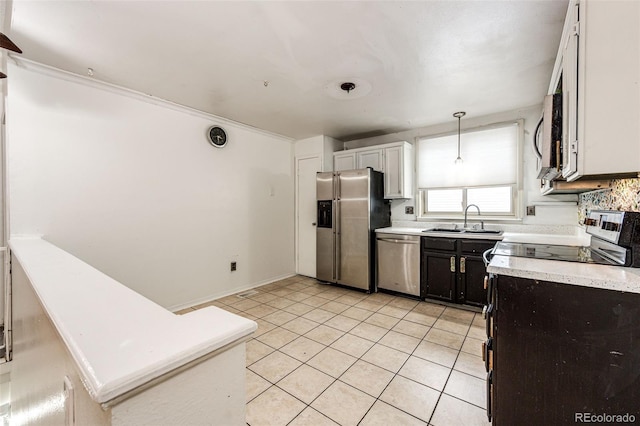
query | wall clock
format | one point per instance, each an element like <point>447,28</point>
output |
<point>217,136</point>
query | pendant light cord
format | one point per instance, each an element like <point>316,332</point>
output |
<point>459,136</point>
<point>459,115</point>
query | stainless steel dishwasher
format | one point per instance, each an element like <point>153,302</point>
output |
<point>398,263</point>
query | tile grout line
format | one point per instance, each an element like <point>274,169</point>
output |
<point>450,373</point>
<point>351,304</point>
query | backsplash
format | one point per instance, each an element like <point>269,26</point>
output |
<point>623,195</point>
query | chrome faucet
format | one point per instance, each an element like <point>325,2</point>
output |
<point>465,216</point>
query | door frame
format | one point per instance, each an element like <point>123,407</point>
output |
<point>297,160</point>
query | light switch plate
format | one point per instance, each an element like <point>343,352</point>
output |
<point>531,210</point>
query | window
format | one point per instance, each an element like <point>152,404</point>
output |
<point>488,177</point>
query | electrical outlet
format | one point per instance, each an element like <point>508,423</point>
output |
<point>531,210</point>
<point>234,266</point>
<point>408,210</point>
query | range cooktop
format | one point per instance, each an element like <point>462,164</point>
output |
<point>615,240</point>
<point>551,252</point>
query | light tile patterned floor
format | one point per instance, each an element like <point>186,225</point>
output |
<point>325,355</point>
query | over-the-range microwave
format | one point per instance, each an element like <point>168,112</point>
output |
<point>561,186</point>
<point>548,149</point>
<point>548,138</point>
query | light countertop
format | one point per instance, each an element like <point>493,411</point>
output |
<point>118,338</point>
<point>577,239</point>
<point>583,274</point>
<point>419,232</point>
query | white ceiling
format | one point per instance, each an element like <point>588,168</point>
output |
<point>414,62</point>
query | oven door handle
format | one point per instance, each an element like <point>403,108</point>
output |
<point>485,256</point>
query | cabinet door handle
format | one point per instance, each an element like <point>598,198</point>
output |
<point>486,356</point>
<point>463,265</point>
<point>452,263</point>
<point>486,281</point>
<point>488,317</point>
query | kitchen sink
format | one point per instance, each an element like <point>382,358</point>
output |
<point>461,231</point>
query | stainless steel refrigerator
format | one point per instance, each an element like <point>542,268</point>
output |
<point>351,206</point>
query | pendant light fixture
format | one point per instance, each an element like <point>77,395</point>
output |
<point>459,115</point>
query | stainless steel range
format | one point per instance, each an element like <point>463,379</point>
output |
<point>615,240</point>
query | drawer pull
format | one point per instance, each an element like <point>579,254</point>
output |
<point>486,356</point>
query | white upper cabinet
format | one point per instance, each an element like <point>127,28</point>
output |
<point>370,158</point>
<point>344,161</point>
<point>395,160</point>
<point>598,66</point>
<point>395,177</point>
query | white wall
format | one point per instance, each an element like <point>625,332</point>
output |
<point>546,212</point>
<point>133,188</point>
<point>323,146</point>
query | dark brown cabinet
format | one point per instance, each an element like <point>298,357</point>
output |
<point>453,269</point>
<point>560,352</point>
<point>439,269</point>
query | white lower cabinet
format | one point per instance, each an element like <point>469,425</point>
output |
<point>395,160</point>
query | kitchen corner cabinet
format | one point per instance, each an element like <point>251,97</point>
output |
<point>453,269</point>
<point>395,160</point>
<point>597,72</point>
<point>555,351</point>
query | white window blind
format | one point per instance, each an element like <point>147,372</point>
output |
<point>495,199</point>
<point>489,158</point>
<point>444,200</point>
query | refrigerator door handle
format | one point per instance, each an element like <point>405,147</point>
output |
<point>337,240</point>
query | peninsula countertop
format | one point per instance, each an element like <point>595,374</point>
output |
<point>118,338</point>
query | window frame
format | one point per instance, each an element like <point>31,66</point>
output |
<point>516,188</point>
<point>512,207</point>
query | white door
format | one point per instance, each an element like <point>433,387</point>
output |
<point>306,169</point>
